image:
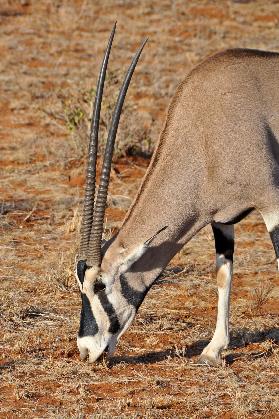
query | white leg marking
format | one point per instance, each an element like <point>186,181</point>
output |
<point>271,219</point>
<point>220,340</point>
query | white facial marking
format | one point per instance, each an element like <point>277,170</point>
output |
<point>108,280</point>
<point>131,258</point>
<point>122,263</point>
<point>93,346</point>
<point>78,281</point>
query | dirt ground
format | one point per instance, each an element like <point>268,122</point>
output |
<point>50,56</point>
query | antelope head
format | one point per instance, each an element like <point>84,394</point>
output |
<point>105,314</point>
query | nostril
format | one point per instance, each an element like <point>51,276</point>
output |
<point>106,349</point>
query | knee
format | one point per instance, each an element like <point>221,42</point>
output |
<point>224,273</point>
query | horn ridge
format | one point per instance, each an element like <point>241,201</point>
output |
<point>90,184</point>
<point>94,247</point>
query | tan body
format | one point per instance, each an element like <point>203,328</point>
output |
<point>217,156</point>
<point>216,159</point>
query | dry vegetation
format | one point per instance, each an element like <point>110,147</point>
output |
<point>50,54</point>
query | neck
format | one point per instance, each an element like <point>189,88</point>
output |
<point>169,196</point>
<point>137,280</point>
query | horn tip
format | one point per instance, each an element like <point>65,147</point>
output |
<point>143,44</point>
<point>114,27</point>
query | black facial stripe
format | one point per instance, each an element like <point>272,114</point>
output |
<point>109,309</point>
<point>274,235</point>
<point>224,245</point>
<point>81,268</point>
<point>88,325</point>
<point>98,286</point>
<point>133,296</point>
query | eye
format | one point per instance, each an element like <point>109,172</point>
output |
<point>99,286</point>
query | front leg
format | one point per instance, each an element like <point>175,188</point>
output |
<point>224,244</point>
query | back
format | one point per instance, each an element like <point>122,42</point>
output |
<point>226,115</point>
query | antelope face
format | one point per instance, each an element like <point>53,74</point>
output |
<point>105,314</point>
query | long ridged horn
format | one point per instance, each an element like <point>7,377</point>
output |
<point>94,247</point>
<point>89,196</point>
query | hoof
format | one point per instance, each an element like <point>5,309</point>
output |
<point>205,360</point>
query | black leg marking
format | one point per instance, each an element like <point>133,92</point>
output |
<point>274,235</point>
<point>88,325</point>
<point>224,245</point>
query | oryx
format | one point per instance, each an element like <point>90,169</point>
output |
<point>216,160</point>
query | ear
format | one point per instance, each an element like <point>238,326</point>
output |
<point>133,256</point>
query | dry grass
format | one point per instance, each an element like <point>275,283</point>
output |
<point>51,52</point>
<point>261,295</point>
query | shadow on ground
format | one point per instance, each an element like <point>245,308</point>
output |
<point>239,340</point>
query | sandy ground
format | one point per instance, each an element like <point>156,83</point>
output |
<point>50,55</point>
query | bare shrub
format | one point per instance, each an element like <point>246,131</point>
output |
<point>260,296</point>
<point>132,139</point>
